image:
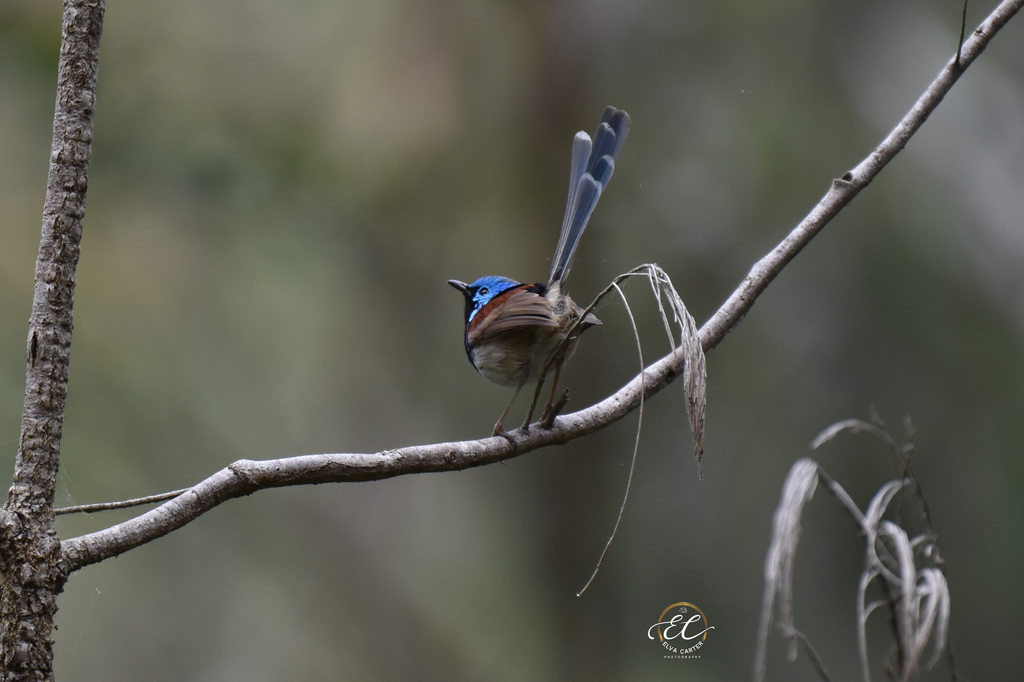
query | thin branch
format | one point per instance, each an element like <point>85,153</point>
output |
<point>963,27</point>
<point>636,448</point>
<point>844,497</point>
<point>123,504</point>
<point>819,665</point>
<point>246,477</point>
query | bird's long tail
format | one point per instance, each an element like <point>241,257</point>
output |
<point>593,162</point>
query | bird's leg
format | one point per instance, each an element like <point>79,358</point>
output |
<point>499,429</point>
<point>533,405</point>
<point>551,410</point>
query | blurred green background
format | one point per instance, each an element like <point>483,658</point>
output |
<point>279,191</point>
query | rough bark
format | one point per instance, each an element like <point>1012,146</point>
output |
<point>31,572</point>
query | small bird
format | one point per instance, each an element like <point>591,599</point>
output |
<point>513,329</point>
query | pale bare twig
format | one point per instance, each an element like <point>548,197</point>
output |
<point>245,476</point>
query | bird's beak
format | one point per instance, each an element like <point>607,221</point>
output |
<point>461,286</point>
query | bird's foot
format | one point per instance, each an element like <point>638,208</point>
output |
<point>547,420</point>
<point>499,430</point>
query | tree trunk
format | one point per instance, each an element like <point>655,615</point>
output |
<point>31,572</point>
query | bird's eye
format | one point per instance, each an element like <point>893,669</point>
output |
<point>483,291</point>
